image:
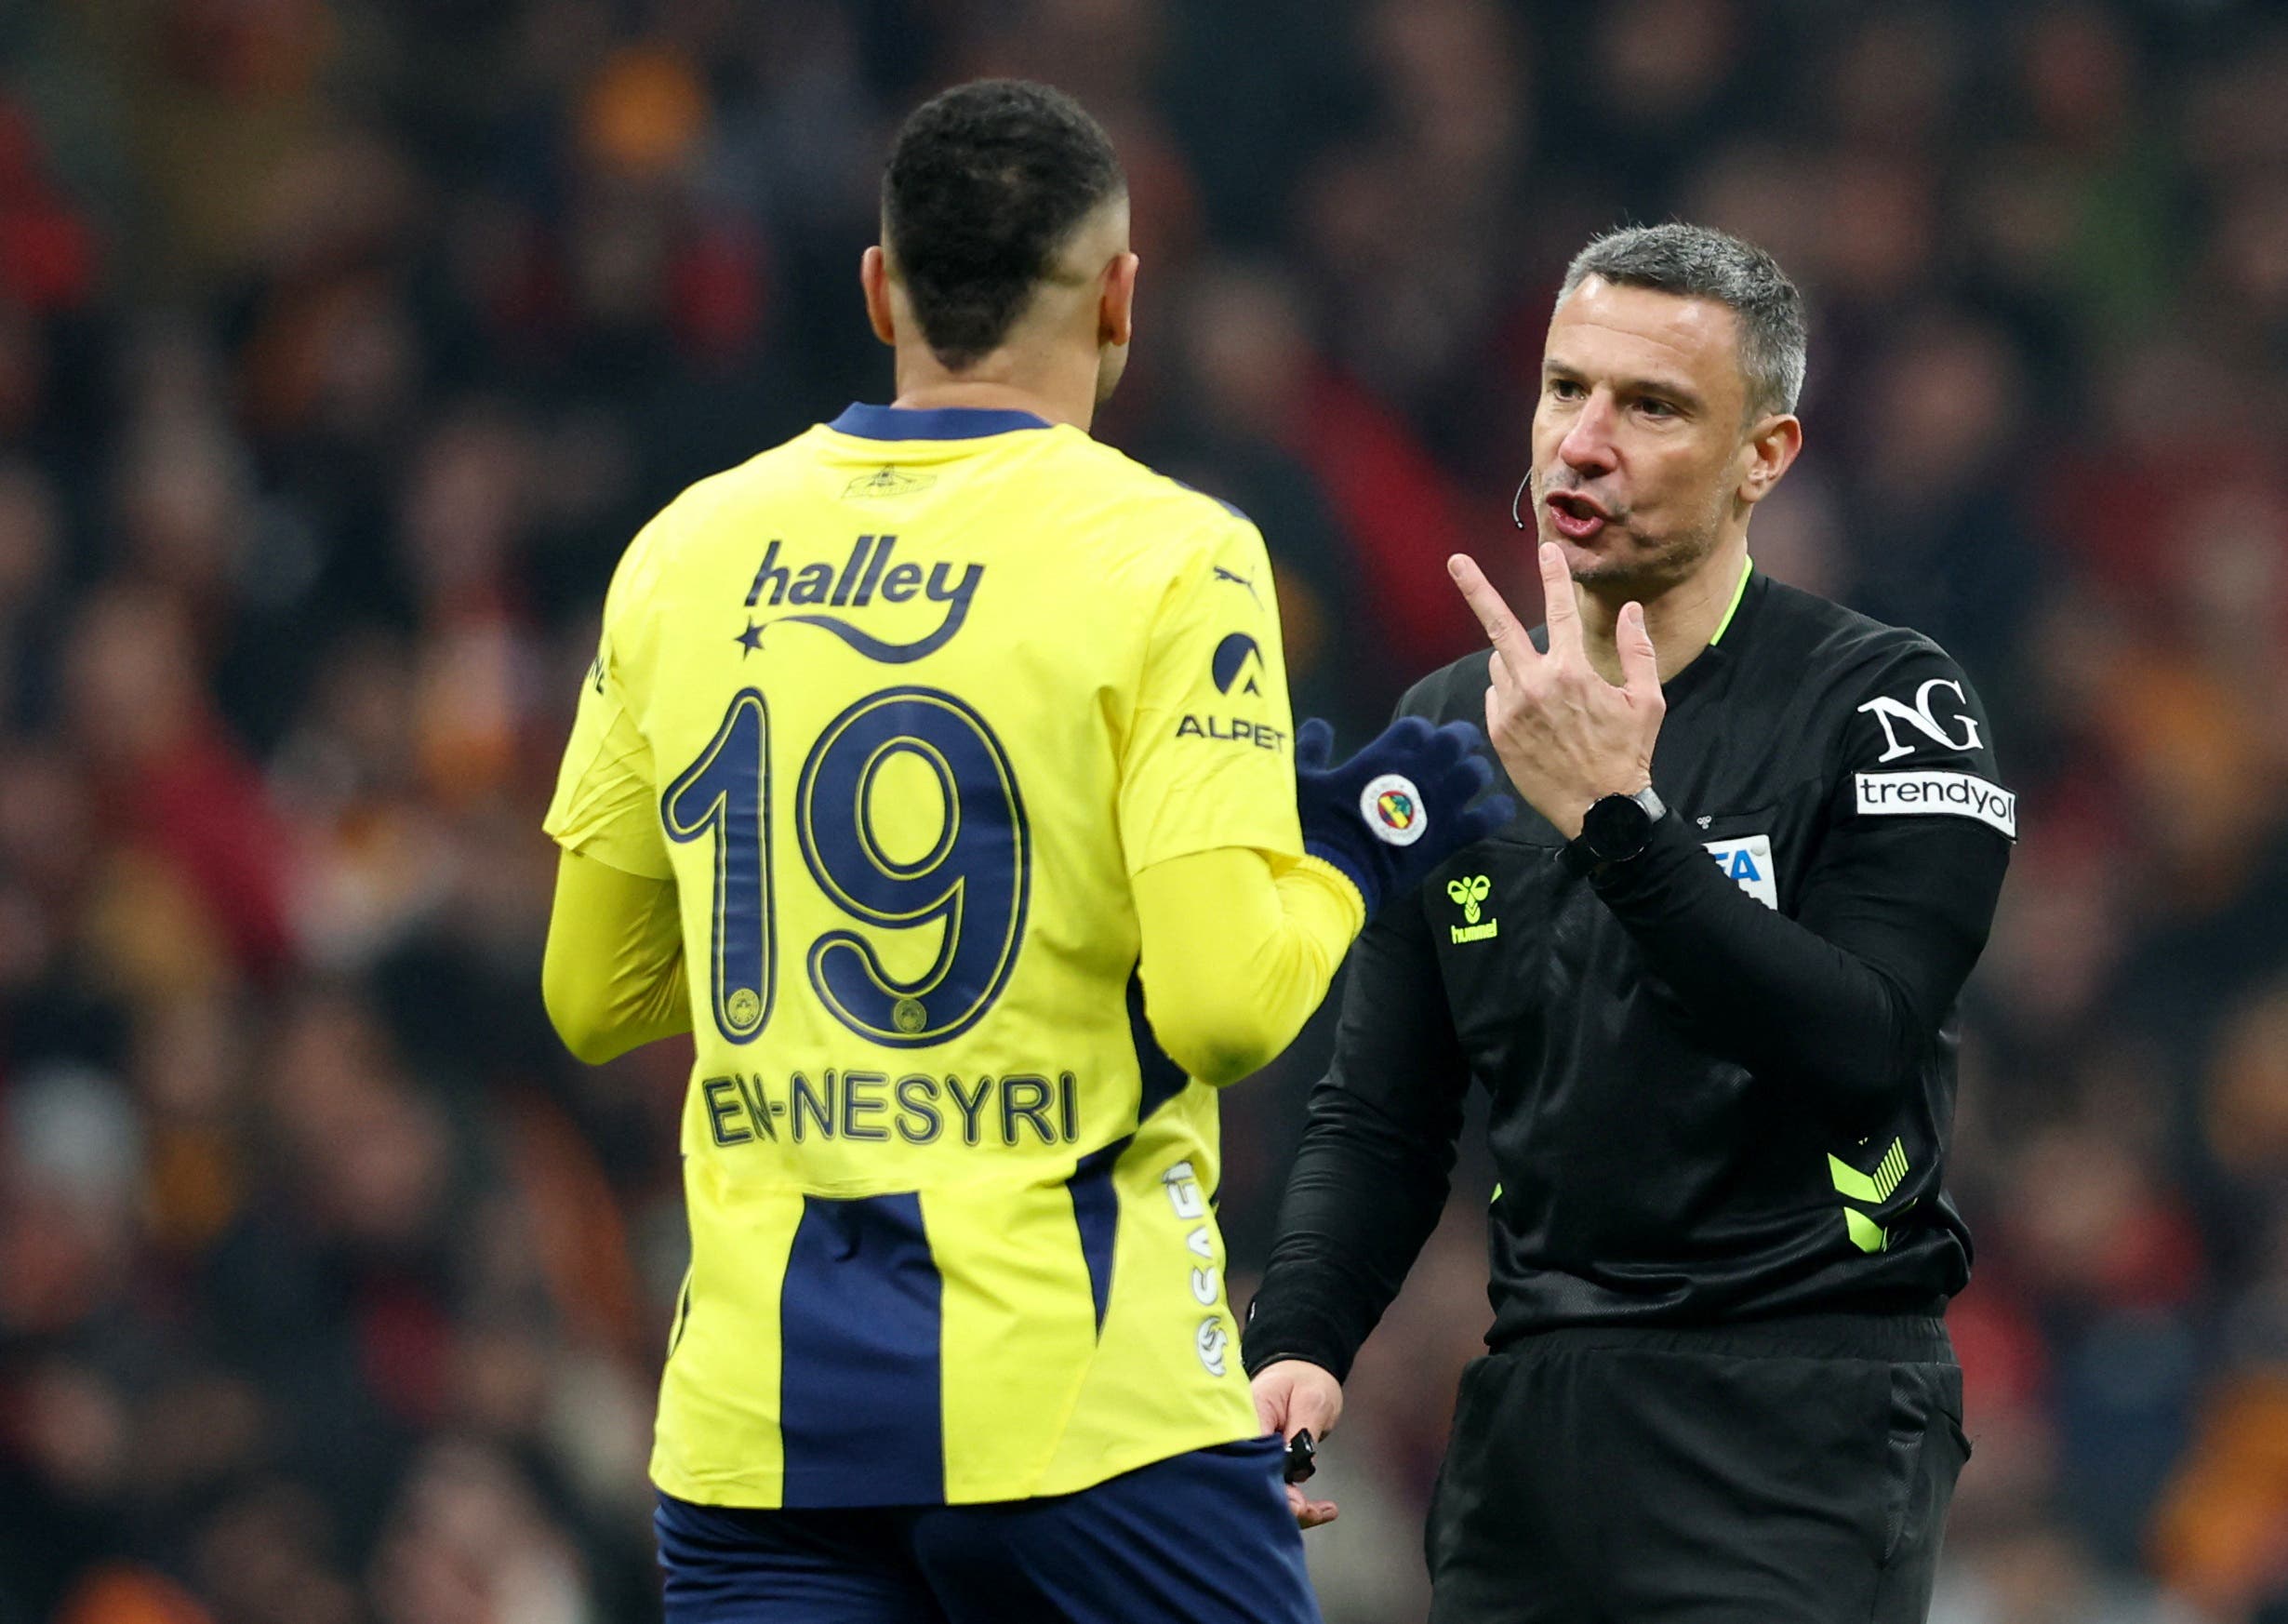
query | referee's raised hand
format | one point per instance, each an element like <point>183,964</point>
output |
<point>1566,735</point>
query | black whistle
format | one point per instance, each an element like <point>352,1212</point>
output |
<point>1302,1456</point>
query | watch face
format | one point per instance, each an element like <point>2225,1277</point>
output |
<point>1616,827</point>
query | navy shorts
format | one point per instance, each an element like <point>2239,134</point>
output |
<point>1204,1537</point>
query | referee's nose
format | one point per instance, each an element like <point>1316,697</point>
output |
<point>1588,447</point>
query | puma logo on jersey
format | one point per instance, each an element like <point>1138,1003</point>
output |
<point>866,575</point>
<point>1236,579</point>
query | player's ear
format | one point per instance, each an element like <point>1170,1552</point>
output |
<point>1771,450</point>
<point>874,277</point>
<point>1116,306</point>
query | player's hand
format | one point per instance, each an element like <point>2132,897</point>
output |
<point>1400,807</point>
<point>1291,1394</point>
<point>1567,737</point>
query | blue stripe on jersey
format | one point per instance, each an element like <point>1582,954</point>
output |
<point>1096,1213</point>
<point>1163,1079</point>
<point>873,422</point>
<point>1230,507</point>
<point>861,1411</point>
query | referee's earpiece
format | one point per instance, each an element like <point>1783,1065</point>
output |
<point>1517,502</point>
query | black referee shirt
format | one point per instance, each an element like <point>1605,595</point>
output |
<point>1721,1073</point>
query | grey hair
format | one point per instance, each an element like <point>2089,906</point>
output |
<point>1700,263</point>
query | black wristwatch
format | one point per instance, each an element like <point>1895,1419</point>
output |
<point>1615,829</point>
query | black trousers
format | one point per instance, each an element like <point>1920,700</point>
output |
<point>1791,1471</point>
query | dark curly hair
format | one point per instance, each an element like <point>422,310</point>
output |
<point>984,185</point>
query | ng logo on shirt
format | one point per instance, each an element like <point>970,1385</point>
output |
<point>1888,713</point>
<point>867,573</point>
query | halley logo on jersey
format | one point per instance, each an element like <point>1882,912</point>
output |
<point>1237,664</point>
<point>1747,862</point>
<point>1468,894</point>
<point>1890,711</point>
<point>867,573</point>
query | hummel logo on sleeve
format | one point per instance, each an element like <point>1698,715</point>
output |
<point>1958,794</point>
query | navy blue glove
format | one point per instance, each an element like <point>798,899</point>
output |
<point>1396,810</point>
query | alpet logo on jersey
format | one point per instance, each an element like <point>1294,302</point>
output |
<point>1470,895</point>
<point>1237,668</point>
<point>1237,665</point>
<point>1891,713</point>
<point>1393,809</point>
<point>866,575</point>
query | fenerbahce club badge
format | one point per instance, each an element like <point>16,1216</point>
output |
<point>1393,809</point>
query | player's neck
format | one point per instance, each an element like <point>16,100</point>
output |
<point>1045,391</point>
<point>1682,620</point>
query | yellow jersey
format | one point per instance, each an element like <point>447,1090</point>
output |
<point>901,706</point>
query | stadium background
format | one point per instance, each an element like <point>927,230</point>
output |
<point>342,346</point>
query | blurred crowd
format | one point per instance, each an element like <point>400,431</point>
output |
<point>344,343</point>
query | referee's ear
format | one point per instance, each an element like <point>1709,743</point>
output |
<point>1770,451</point>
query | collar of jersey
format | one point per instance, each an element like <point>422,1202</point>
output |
<point>1748,567</point>
<point>873,422</point>
<point>1722,649</point>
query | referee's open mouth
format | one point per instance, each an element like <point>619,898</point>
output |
<point>1577,517</point>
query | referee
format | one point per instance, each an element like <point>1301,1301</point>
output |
<point>1707,980</point>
